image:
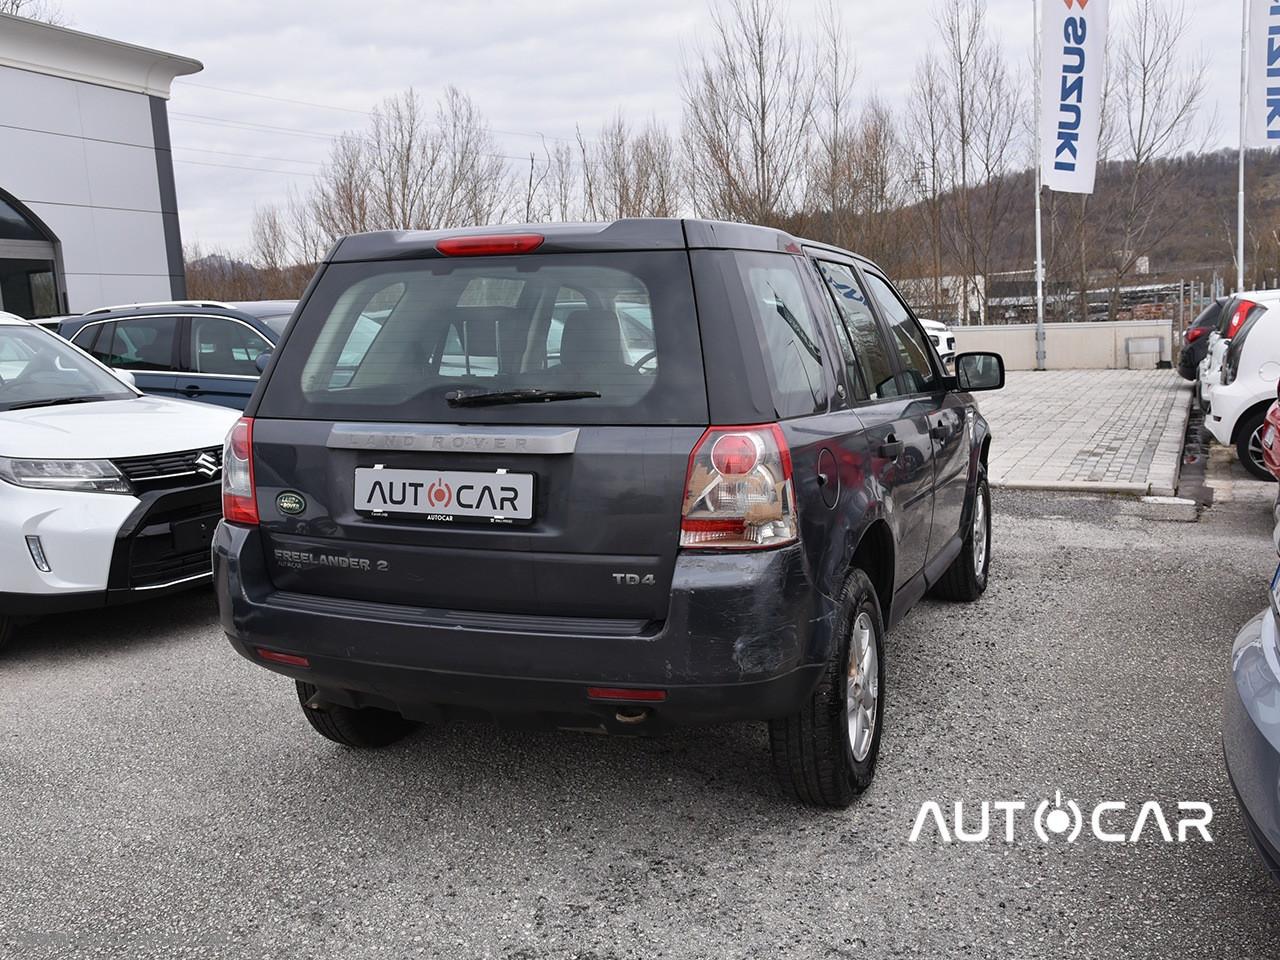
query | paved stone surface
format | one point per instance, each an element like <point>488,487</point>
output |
<point>160,797</point>
<point>1101,430</point>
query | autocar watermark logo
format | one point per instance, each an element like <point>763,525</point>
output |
<point>1053,820</point>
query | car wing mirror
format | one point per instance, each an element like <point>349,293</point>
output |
<point>126,376</point>
<point>261,360</point>
<point>979,371</point>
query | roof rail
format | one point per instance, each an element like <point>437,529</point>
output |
<point>216,304</point>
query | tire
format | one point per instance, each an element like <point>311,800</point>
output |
<point>1249,445</point>
<point>6,630</point>
<point>814,752</point>
<point>366,728</point>
<point>966,579</point>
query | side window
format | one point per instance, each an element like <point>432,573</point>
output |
<point>222,346</point>
<point>788,332</point>
<point>96,340</point>
<point>913,348</point>
<point>142,344</point>
<point>868,346</point>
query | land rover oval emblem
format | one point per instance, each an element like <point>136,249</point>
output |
<point>291,503</point>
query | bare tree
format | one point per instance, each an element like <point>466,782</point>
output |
<point>628,174</point>
<point>1157,91</point>
<point>926,120</point>
<point>833,183</point>
<point>980,104</point>
<point>45,11</point>
<point>748,116</point>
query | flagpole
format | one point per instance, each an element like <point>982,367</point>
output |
<point>1039,236</point>
<point>1244,116</point>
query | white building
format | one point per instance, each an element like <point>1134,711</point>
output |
<point>88,211</point>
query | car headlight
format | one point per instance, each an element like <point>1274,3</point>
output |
<point>93,476</point>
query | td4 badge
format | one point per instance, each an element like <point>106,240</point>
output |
<point>634,579</point>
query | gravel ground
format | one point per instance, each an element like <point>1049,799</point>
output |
<point>160,797</point>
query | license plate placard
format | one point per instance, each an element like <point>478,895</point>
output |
<point>445,495</point>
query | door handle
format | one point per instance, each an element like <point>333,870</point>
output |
<point>891,449</point>
<point>191,390</point>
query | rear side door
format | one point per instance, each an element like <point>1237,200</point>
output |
<point>897,433</point>
<point>942,415</point>
<point>145,346</point>
<point>220,362</point>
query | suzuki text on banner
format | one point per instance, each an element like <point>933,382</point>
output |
<point>1073,44</point>
<point>1262,123</point>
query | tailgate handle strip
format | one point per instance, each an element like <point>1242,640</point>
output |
<point>440,438</point>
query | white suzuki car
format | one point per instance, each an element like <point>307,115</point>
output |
<point>1249,370</point>
<point>1237,310</point>
<point>106,495</point>
<point>943,340</point>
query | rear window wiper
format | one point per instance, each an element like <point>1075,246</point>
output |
<point>528,395</point>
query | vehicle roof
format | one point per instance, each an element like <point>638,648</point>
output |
<point>641,233</point>
<point>176,308</point>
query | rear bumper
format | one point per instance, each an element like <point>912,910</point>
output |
<point>742,640</point>
<point>1251,734</point>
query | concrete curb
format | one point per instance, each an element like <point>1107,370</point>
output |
<point>1168,455</point>
<point>1076,486</point>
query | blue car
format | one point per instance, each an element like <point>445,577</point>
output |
<point>195,350</point>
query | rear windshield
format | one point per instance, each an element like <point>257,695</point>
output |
<point>396,340</point>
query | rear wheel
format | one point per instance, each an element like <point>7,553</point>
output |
<point>1249,445</point>
<point>6,630</point>
<point>826,754</point>
<point>966,578</point>
<point>363,728</point>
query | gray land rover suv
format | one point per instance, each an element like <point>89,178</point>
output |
<point>615,476</point>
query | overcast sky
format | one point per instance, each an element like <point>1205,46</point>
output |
<point>533,68</point>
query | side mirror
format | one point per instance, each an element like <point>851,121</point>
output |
<point>126,376</point>
<point>979,371</point>
<point>261,361</point>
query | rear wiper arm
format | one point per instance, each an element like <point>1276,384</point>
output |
<point>527,395</point>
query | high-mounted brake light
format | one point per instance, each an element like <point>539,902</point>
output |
<point>492,245</point>
<point>239,498</point>
<point>738,490</point>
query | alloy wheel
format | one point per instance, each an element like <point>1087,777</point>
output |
<point>862,695</point>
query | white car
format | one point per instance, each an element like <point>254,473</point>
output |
<point>943,340</point>
<point>106,495</point>
<point>1232,317</point>
<point>1249,370</point>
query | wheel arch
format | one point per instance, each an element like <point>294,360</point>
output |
<point>874,556</point>
<point>1247,412</point>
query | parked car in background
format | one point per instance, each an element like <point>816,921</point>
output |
<point>106,496</point>
<point>738,464</point>
<point>1195,339</point>
<point>943,339</point>
<point>1234,313</point>
<point>1251,721</point>
<point>195,350</point>
<point>1249,373</point>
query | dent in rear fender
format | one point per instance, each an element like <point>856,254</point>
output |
<point>746,615</point>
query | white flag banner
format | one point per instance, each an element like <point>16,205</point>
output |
<point>1262,118</point>
<point>1073,43</point>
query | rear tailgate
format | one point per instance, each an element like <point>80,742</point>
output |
<point>601,543</point>
<point>402,495</point>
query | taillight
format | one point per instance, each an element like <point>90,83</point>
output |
<point>1195,333</point>
<point>1242,311</point>
<point>492,245</point>
<point>239,499</point>
<point>738,490</point>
